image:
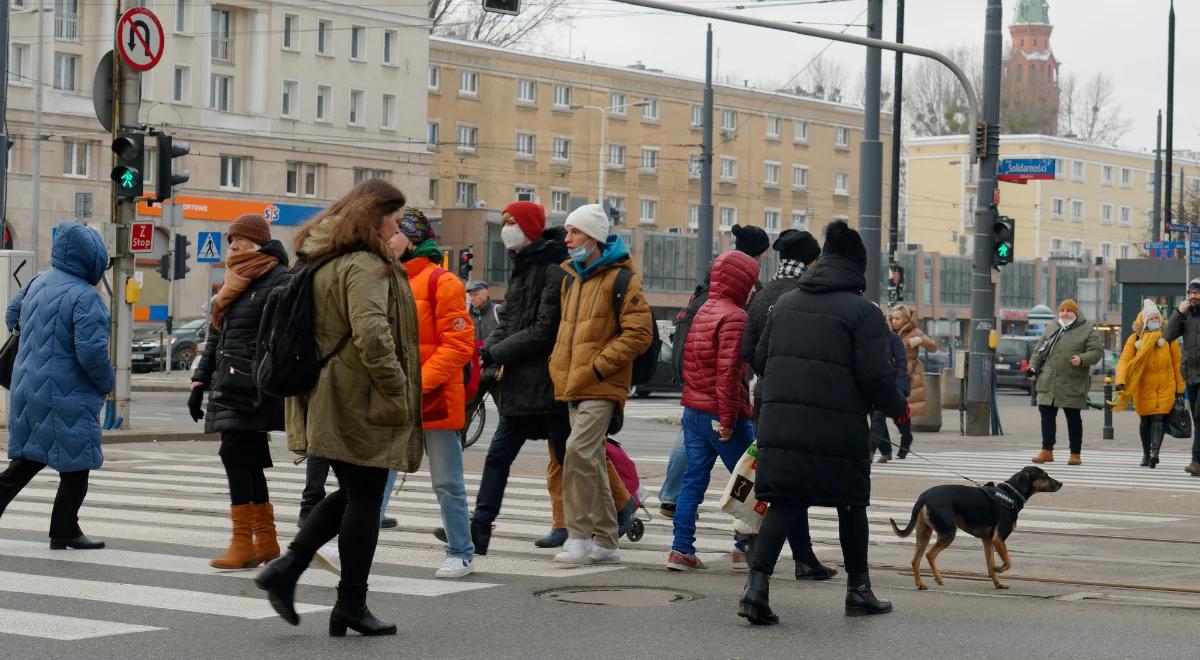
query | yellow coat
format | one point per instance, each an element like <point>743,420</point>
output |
<point>1161,380</point>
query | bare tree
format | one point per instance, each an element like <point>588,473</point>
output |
<point>1089,111</point>
<point>824,78</point>
<point>934,101</point>
<point>466,19</point>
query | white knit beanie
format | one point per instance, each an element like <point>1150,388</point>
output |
<point>1150,309</point>
<point>591,220</point>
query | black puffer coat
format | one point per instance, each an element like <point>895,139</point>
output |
<point>825,360</point>
<point>759,311</point>
<point>234,402</point>
<point>524,338</point>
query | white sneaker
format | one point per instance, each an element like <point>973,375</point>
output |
<point>575,551</point>
<point>455,567</point>
<point>329,559</point>
<point>605,555</point>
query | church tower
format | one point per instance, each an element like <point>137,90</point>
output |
<point>1031,71</point>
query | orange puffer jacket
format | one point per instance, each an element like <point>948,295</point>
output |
<point>447,344</point>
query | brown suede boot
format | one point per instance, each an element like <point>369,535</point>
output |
<point>266,544</point>
<point>241,548</point>
<point>1193,468</point>
<point>1076,459</point>
<point>1044,456</point>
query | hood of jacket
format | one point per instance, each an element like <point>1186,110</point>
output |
<point>79,251</point>
<point>613,250</point>
<point>733,276</point>
<point>275,249</point>
<point>833,273</point>
<point>428,249</point>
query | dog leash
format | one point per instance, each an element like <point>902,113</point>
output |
<point>936,464</point>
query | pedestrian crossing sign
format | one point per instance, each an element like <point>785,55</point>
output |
<point>209,250</point>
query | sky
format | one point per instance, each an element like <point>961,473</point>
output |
<point>1127,39</point>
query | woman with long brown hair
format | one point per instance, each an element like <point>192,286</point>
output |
<point>364,415</point>
<point>904,323</point>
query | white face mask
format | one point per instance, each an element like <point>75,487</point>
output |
<point>1066,322</point>
<point>513,238</point>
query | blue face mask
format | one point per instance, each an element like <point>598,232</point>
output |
<point>580,253</point>
<point>1153,325</point>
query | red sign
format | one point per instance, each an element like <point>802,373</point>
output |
<point>141,237</point>
<point>140,38</point>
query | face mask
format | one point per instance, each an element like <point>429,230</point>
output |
<point>513,238</point>
<point>1153,325</point>
<point>581,253</point>
<point>1066,322</point>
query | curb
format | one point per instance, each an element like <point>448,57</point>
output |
<point>142,436</point>
<point>164,387</point>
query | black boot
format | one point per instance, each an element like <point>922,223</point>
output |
<point>1156,440</point>
<point>81,542</point>
<point>812,569</point>
<point>755,606</point>
<point>481,536</point>
<point>351,612</point>
<point>861,601</point>
<point>1145,459</point>
<point>902,453</point>
<point>278,579</point>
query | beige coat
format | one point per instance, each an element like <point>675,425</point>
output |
<point>366,408</point>
<point>918,397</point>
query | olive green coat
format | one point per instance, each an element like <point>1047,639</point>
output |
<point>1060,383</point>
<point>366,408</point>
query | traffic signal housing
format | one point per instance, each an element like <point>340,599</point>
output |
<point>164,267</point>
<point>181,256</point>
<point>1004,233</point>
<point>465,258</point>
<point>510,7</point>
<point>130,151</point>
<point>166,178</point>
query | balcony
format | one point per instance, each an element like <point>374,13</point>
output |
<point>66,26</point>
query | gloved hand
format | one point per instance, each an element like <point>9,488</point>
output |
<point>485,356</point>
<point>1030,373</point>
<point>196,403</point>
<point>906,415</point>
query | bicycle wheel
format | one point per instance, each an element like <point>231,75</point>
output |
<point>475,424</point>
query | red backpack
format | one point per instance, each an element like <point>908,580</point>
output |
<point>474,367</point>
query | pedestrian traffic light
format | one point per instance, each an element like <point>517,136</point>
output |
<point>181,256</point>
<point>465,257</point>
<point>1004,232</point>
<point>511,7</point>
<point>164,267</point>
<point>167,178</point>
<point>129,148</point>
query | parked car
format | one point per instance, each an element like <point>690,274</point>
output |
<point>185,344</point>
<point>1012,360</point>
<point>663,379</point>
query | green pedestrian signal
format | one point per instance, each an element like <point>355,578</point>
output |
<point>127,179</point>
<point>1004,233</point>
<point>1002,250</point>
<point>130,157</point>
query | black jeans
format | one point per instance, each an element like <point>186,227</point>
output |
<point>72,488</point>
<point>510,436</point>
<point>316,473</point>
<point>1193,391</point>
<point>351,513</point>
<point>1151,430</point>
<point>1050,427</point>
<point>906,436</point>
<point>780,521</point>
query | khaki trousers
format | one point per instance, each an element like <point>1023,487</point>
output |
<point>554,484</point>
<point>587,496</point>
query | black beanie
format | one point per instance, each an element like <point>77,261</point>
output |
<point>797,245</point>
<point>750,240</point>
<point>842,241</point>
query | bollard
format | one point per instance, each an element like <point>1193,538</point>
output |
<point>1108,392</point>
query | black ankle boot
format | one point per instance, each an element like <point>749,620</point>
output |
<point>861,601</point>
<point>481,536</point>
<point>1153,459</point>
<point>813,569</point>
<point>1145,459</point>
<point>902,454</point>
<point>351,612</point>
<point>755,606</point>
<point>278,579</point>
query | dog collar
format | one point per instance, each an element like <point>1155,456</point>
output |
<point>1016,493</point>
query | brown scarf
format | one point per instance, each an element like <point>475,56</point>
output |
<point>241,269</point>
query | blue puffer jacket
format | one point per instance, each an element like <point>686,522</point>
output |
<point>62,372</point>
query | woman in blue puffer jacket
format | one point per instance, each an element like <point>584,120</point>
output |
<point>61,377</point>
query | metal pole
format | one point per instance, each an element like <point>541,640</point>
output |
<point>870,174</point>
<point>35,212</point>
<point>4,124</point>
<point>983,292</point>
<point>128,100</point>
<point>168,213</point>
<point>1156,231</point>
<point>704,229</point>
<point>1170,109</point>
<point>603,164</point>
<point>897,122</point>
<point>1108,433</point>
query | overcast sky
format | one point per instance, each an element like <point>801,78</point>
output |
<point>1125,38</point>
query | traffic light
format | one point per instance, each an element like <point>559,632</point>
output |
<point>465,257</point>
<point>166,178</point>
<point>510,7</point>
<point>130,151</point>
<point>181,256</point>
<point>1004,232</point>
<point>164,267</point>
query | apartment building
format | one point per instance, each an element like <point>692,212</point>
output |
<point>286,105</point>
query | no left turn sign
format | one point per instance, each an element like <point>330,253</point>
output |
<point>140,38</point>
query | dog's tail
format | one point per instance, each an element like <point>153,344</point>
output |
<point>912,522</point>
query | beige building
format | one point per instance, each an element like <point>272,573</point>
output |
<point>286,105</point>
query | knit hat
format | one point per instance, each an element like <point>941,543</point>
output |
<point>530,217</point>
<point>415,226</point>
<point>252,227</point>
<point>798,246</point>
<point>1194,285</point>
<point>591,220</point>
<point>842,241</point>
<point>1069,305</point>
<point>1150,309</point>
<point>750,240</point>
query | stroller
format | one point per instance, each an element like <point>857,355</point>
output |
<point>629,476</point>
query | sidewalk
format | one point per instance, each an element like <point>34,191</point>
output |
<point>160,381</point>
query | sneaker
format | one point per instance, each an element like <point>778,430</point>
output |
<point>739,561</point>
<point>682,563</point>
<point>455,567</point>
<point>605,555</point>
<point>575,551</point>
<point>328,558</point>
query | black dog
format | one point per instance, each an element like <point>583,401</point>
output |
<point>988,513</point>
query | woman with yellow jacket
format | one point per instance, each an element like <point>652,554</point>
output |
<point>1148,374</point>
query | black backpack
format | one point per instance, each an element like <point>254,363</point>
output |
<point>286,361</point>
<point>683,324</point>
<point>644,364</point>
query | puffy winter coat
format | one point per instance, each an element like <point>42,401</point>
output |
<point>1060,383</point>
<point>593,355</point>
<point>62,372</point>
<point>234,401</point>
<point>825,362</point>
<point>524,338</point>
<point>1187,326</point>
<point>1160,380</point>
<point>714,374</point>
<point>366,408</point>
<point>918,396</point>
<point>447,344</point>
<point>759,311</point>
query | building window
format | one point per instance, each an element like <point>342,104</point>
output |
<point>222,23</point>
<point>617,203</point>
<point>525,193</point>
<point>219,93</point>
<point>1056,245</point>
<point>695,164</point>
<point>358,107</point>
<point>1076,247</point>
<point>468,138</point>
<point>1106,175</point>
<point>66,20</point>
<point>324,103</point>
<point>181,85</point>
<point>148,175</point>
<point>181,15</point>
<point>231,172</point>
<point>1077,170</point>
<point>771,220</point>
<point>842,139</point>
<point>390,39</point>
<point>561,151</point>
<point>1077,210</point>
<point>728,168</point>
<point>800,220</point>
<point>292,179</point>
<point>65,69</point>
<point>1106,214</point>
<point>18,64</point>
<point>649,212</point>
<point>325,37</point>
<point>526,146</point>
<point>697,116</point>
<point>1124,251</point>
<point>302,178</point>
<point>431,135</point>
<point>650,159</point>
<point>433,193</point>
<point>801,132</point>
<point>562,96</point>
<point>616,156</point>
<point>526,91</point>
<point>1126,177</point>
<point>799,177</point>
<point>774,127</point>
<point>771,174</point>
<point>468,83</point>
<point>618,105</point>
<point>841,183</point>
<point>362,174</point>
<point>693,216</point>
<point>464,194</point>
<point>729,120</point>
<point>1126,216</point>
<point>1106,252</point>
<point>287,98</point>
<point>1057,207</point>
<point>291,30</point>
<point>1060,168</point>
<point>728,218</point>
<point>435,77</point>
<point>650,111</point>
<point>76,156</point>
<point>559,200</point>
<point>388,107</point>
<point>358,42</point>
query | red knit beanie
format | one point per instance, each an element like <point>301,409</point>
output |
<point>530,217</point>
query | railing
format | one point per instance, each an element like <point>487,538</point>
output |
<point>66,26</point>
<point>220,49</point>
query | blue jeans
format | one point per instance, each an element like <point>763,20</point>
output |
<point>704,446</point>
<point>676,467</point>
<point>444,449</point>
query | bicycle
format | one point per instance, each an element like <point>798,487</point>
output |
<point>474,428</point>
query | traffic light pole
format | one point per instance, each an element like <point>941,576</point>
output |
<point>127,98</point>
<point>168,214</point>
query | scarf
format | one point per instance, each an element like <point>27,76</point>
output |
<point>789,268</point>
<point>428,249</point>
<point>241,269</point>
<point>1147,343</point>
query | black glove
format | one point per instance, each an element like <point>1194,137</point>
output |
<point>1030,373</point>
<point>486,357</point>
<point>196,403</point>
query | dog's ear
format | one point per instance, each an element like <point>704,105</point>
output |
<point>1023,480</point>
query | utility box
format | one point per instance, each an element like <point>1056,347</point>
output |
<point>16,270</point>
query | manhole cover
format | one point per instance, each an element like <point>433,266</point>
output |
<point>620,596</point>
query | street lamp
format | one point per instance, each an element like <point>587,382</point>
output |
<point>603,146</point>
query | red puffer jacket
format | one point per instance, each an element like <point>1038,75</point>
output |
<point>714,375</point>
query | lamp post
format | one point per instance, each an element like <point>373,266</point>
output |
<point>603,144</point>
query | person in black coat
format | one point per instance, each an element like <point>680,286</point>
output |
<point>880,439</point>
<point>237,410</point>
<point>824,357</point>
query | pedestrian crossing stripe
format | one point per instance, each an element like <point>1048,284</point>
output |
<point>62,628</point>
